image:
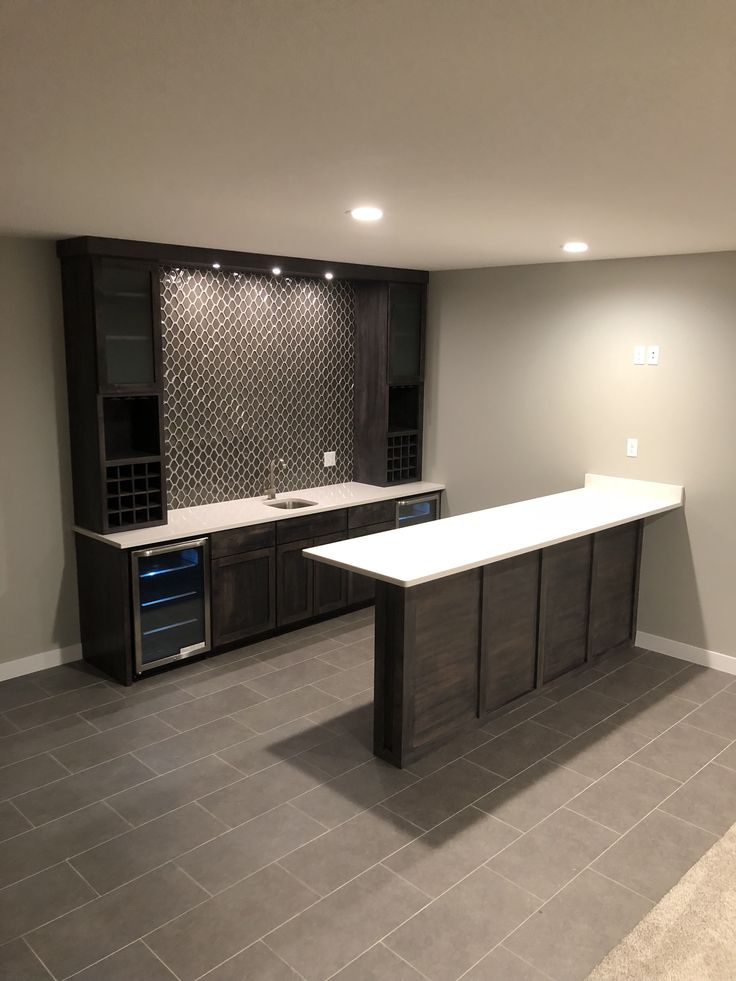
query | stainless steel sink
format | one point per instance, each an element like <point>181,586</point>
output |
<point>290,504</point>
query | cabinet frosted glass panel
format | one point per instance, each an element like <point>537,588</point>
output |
<point>171,603</point>
<point>124,313</point>
<point>405,332</point>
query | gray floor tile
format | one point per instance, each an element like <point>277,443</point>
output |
<point>133,963</point>
<point>662,662</point>
<point>210,707</point>
<point>296,676</point>
<point>203,938</point>
<point>350,657</point>
<point>12,821</point>
<point>6,727</point>
<point>346,851</point>
<point>354,791</point>
<point>654,712</point>
<point>655,854</point>
<point>19,963</point>
<point>617,659</point>
<point>443,793</point>
<point>330,934</point>
<point>502,965</point>
<point>175,751</point>
<point>281,743</point>
<point>548,856</point>
<point>353,715</point>
<point>257,963</point>
<point>115,742</point>
<point>569,685</point>
<point>680,751</point>
<point>84,936</point>
<point>707,800</point>
<point>599,749</point>
<point>697,683</point>
<point>167,792</point>
<point>349,682</point>
<point>378,964</point>
<point>534,794</point>
<point>451,850</point>
<point>624,796</point>
<point>466,742</point>
<point>72,792</point>
<point>579,712</point>
<point>285,708</point>
<point>726,758</point>
<point>132,854</point>
<point>337,755</point>
<point>260,792</point>
<point>238,853</point>
<point>217,678</point>
<point>717,715</point>
<point>629,682</point>
<point>20,691</point>
<point>576,929</point>
<point>21,745</point>
<point>40,898</point>
<point>68,677</point>
<point>29,774</point>
<point>137,706</point>
<point>457,929</point>
<point>292,652</point>
<point>508,720</point>
<point>55,842</point>
<point>58,706</point>
<point>518,748</point>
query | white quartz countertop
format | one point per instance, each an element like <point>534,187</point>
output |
<point>208,518</point>
<point>410,556</point>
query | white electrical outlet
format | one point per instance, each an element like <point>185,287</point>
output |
<point>653,354</point>
<point>330,460</point>
<point>632,446</point>
<point>640,354</point>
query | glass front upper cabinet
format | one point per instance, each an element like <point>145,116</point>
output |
<point>405,333</point>
<point>126,312</point>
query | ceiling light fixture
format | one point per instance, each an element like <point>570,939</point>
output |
<point>366,213</point>
<point>276,270</point>
<point>575,247</point>
<point>215,265</point>
<point>328,275</point>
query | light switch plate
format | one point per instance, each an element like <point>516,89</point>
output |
<point>632,446</point>
<point>330,458</point>
<point>653,354</point>
<point>640,354</point>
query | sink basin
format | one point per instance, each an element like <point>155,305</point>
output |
<point>290,504</point>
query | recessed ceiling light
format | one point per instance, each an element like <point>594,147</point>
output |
<point>575,247</point>
<point>367,213</point>
<point>276,270</point>
<point>328,275</point>
<point>215,265</point>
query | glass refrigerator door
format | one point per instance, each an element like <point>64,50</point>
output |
<point>171,594</point>
<point>417,511</point>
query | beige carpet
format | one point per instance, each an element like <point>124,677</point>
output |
<point>690,935</point>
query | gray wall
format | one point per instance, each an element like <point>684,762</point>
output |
<point>531,384</point>
<point>38,598</point>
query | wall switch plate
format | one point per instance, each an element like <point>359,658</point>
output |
<point>632,446</point>
<point>330,460</point>
<point>653,354</point>
<point>640,354</point>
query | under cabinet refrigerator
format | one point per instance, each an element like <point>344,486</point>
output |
<point>171,603</point>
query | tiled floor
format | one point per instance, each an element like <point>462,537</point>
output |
<point>227,820</point>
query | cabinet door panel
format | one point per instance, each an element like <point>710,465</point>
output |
<point>362,589</point>
<point>330,583</point>
<point>615,573</point>
<point>406,329</point>
<point>509,644</point>
<point>295,583</point>
<point>243,595</point>
<point>565,596</point>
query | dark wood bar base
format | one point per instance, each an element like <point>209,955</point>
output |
<point>452,652</point>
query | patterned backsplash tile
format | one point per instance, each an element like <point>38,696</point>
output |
<point>255,368</point>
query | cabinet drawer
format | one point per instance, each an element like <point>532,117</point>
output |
<point>371,514</point>
<point>238,540</point>
<point>311,526</point>
<point>371,529</point>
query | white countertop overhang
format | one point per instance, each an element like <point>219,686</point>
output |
<point>410,556</point>
<point>208,518</point>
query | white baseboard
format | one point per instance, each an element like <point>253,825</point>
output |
<point>37,662</point>
<point>686,652</point>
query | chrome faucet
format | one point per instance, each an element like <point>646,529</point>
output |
<point>270,489</point>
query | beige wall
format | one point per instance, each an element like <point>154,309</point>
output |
<point>531,384</point>
<point>38,599</point>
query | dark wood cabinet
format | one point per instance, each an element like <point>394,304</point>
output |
<point>564,606</point>
<point>389,375</point>
<point>243,595</point>
<point>330,583</point>
<point>362,589</point>
<point>614,587</point>
<point>294,583</point>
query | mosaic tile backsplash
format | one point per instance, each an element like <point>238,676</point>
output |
<point>255,368</point>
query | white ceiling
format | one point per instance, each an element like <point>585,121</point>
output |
<point>490,131</point>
